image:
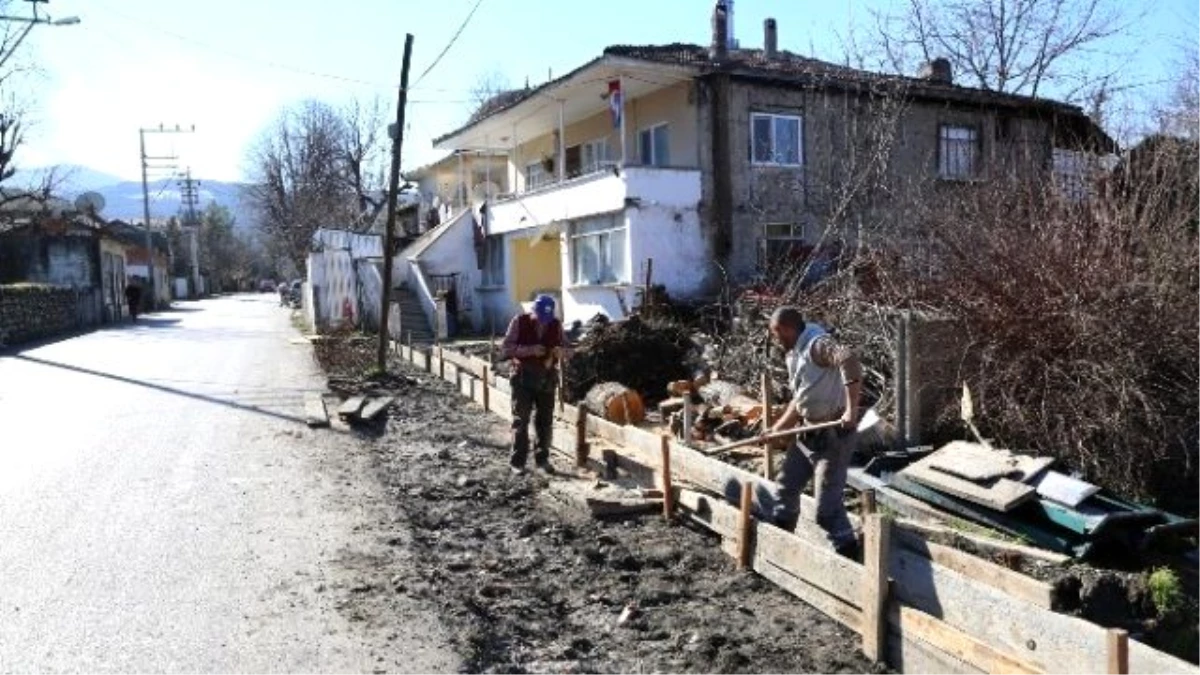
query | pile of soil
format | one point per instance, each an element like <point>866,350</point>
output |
<point>521,586</point>
<point>643,355</point>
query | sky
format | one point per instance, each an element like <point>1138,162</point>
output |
<point>230,67</point>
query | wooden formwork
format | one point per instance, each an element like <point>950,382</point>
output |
<point>918,605</point>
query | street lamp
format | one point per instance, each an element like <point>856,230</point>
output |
<point>33,21</point>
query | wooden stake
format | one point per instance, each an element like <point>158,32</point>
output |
<point>487,390</point>
<point>744,526</point>
<point>408,340</point>
<point>441,363</point>
<point>581,445</point>
<point>868,502</point>
<point>876,529</point>
<point>766,423</point>
<point>1118,651</point>
<point>668,495</point>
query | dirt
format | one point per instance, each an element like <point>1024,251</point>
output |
<point>521,586</point>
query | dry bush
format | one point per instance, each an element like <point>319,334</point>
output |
<point>1079,319</point>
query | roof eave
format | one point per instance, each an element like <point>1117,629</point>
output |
<point>544,89</point>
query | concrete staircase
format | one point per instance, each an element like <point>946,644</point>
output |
<point>412,317</point>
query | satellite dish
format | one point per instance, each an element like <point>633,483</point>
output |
<point>90,202</point>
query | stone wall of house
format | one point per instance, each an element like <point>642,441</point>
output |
<point>840,136</point>
<point>34,311</point>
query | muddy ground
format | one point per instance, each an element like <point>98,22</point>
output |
<point>521,586</point>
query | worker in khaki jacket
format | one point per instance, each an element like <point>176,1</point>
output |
<point>534,342</point>
<point>826,382</point>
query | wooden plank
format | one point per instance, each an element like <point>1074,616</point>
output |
<point>1048,641</point>
<point>1118,651</point>
<point>1013,583</point>
<point>915,624</point>
<point>977,462</point>
<point>670,405</point>
<point>814,563</point>
<point>876,529</point>
<point>842,612</point>
<point>930,531</point>
<point>909,655</point>
<point>315,414</point>
<point>375,406</point>
<point>1003,495</point>
<point>1145,659</point>
<point>667,490</point>
<point>745,518</point>
<point>1063,489</point>
<point>351,406</point>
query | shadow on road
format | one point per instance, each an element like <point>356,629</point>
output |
<point>158,387</point>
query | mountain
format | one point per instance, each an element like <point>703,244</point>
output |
<point>123,199</point>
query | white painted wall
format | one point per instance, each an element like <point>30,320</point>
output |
<point>453,251</point>
<point>662,220</point>
<point>584,196</point>
<point>663,223</point>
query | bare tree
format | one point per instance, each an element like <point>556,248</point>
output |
<point>1180,115</point>
<point>487,86</point>
<point>14,112</point>
<point>1016,46</point>
<point>317,166</point>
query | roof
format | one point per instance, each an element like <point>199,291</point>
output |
<point>802,69</point>
<point>795,69</point>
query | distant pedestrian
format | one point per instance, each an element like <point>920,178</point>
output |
<point>534,342</point>
<point>133,298</point>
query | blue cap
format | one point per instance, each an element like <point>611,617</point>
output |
<point>543,308</point>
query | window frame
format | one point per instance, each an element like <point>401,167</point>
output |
<point>773,117</point>
<point>651,129</point>
<point>975,143</point>
<point>604,235</point>
<point>544,178</point>
<point>598,164</point>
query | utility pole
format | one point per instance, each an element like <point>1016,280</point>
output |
<point>190,192</point>
<point>146,199</point>
<point>393,189</point>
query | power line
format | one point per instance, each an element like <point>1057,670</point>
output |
<point>242,57</point>
<point>453,39</point>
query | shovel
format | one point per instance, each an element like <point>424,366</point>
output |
<point>869,420</point>
<point>968,415</point>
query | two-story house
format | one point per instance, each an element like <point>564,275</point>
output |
<point>708,161</point>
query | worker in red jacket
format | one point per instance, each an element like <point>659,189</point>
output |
<point>534,342</point>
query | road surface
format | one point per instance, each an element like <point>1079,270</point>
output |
<point>163,507</point>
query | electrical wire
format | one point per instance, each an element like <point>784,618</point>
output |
<point>453,39</point>
<point>242,57</point>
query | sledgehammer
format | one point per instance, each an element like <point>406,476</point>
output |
<point>869,420</point>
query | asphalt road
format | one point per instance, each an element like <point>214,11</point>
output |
<point>164,508</point>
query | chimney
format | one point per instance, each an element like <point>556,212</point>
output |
<point>720,32</point>
<point>730,40</point>
<point>770,39</point>
<point>938,70</point>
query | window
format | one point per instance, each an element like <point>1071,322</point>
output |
<point>598,251</point>
<point>653,144</point>
<point>493,260</point>
<point>596,155</point>
<point>780,244</point>
<point>536,176</point>
<point>775,139</point>
<point>958,152</point>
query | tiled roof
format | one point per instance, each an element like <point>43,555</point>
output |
<point>788,65</point>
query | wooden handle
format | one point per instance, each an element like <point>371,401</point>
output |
<point>771,436</point>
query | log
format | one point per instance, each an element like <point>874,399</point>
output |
<point>615,402</point>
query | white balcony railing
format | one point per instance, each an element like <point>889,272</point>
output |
<point>600,192</point>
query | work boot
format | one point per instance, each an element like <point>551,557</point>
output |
<point>545,468</point>
<point>516,470</point>
<point>851,549</point>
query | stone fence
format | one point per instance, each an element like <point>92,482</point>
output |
<point>35,311</point>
